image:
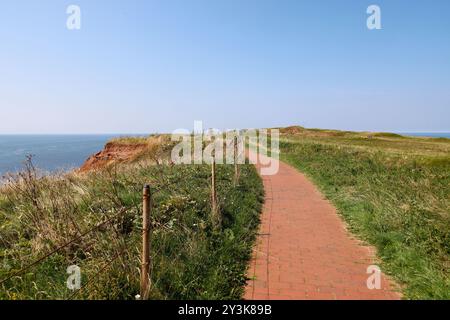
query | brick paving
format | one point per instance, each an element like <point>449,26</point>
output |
<point>304,250</point>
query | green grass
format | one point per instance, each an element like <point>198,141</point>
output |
<point>191,258</point>
<point>394,192</point>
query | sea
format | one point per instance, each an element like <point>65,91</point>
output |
<point>49,153</point>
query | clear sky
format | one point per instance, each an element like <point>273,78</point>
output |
<point>155,66</point>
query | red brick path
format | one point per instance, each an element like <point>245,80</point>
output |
<point>303,249</point>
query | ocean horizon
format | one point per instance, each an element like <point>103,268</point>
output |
<point>64,152</point>
<point>50,153</point>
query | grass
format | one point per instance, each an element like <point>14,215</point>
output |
<point>191,257</point>
<point>131,140</point>
<point>393,191</point>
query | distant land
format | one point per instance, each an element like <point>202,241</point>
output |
<point>427,134</point>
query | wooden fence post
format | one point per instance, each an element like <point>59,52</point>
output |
<point>214,208</point>
<point>236,159</point>
<point>145,267</point>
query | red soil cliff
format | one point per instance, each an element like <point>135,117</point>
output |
<point>112,153</point>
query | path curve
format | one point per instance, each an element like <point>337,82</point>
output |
<point>304,250</point>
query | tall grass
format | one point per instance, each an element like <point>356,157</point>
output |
<point>190,259</point>
<point>400,204</point>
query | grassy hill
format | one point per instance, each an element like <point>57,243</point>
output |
<point>393,191</point>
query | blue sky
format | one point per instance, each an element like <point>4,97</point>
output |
<point>155,66</point>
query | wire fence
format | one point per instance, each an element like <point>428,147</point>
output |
<point>56,250</point>
<point>160,184</point>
